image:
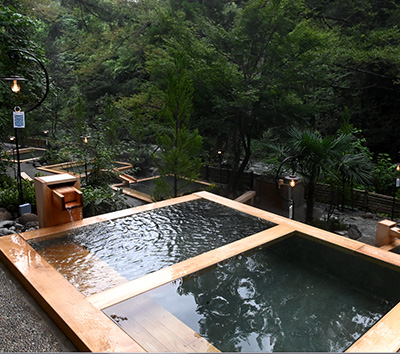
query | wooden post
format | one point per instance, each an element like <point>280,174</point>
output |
<point>383,236</point>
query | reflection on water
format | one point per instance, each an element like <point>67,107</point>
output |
<point>149,241</point>
<point>281,298</point>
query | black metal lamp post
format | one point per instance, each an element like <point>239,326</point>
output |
<point>12,138</point>
<point>396,185</point>
<point>19,116</point>
<point>220,165</point>
<point>86,141</point>
<point>291,180</point>
<point>46,133</point>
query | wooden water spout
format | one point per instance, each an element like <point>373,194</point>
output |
<point>387,235</point>
<point>67,197</point>
<point>58,199</point>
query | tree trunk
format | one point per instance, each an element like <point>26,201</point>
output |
<point>310,203</point>
<point>242,166</point>
<point>175,186</point>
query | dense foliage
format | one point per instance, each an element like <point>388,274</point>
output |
<point>252,68</point>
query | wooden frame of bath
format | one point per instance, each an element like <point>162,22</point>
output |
<point>23,151</point>
<point>62,167</point>
<point>140,195</point>
<point>82,320</point>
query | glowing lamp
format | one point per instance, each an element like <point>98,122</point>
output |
<point>293,179</point>
<point>15,86</point>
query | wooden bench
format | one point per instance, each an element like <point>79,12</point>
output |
<point>25,176</point>
<point>246,198</point>
<point>127,179</point>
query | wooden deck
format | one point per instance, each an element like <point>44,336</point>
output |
<point>152,327</point>
<point>383,337</point>
<point>157,330</point>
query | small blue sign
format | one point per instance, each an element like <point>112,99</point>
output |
<point>19,119</point>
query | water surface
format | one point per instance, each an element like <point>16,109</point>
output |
<point>142,243</point>
<point>295,295</point>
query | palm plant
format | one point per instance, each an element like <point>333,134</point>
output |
<point>334,156</point>
<point>352,168</point>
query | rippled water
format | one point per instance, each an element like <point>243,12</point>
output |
<point>295,295</point>
<point>142,243</point>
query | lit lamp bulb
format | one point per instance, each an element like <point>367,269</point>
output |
<point>15,87</point>
<point>398,167</point>
<point>292,183</point>
<point>85,140</point>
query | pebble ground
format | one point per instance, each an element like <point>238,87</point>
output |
<point>24,327</point>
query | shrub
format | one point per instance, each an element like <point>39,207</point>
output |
<point>9,197</point>
<point>100,200</point>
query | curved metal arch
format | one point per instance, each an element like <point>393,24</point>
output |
<point>11,55</point>
<point>277,176</point>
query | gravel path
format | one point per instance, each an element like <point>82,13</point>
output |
<point>24,327</point>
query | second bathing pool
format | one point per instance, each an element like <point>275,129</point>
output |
<point>294,295</point>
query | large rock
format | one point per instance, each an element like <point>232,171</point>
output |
<point>353,232</point>
<point>5,214</point>
<point>28,217</point>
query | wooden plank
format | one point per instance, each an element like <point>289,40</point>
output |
<point>88,328</point>
<point>189,337</point>
<point>156,329</point>
<point>25,176</point>
<point>56,179</point>
<point>383,337</point>
<point>179,270</point>
<point>125,165</point>
<point>127,178</point>
<point>148,178</point>
<point>391,246</point>
<point>248,196</point>
<point>381,254</point>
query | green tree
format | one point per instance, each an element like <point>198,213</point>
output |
<point>17,30</point>
<point>254,74</point>
<point>179,148</point>
<point>364,69</point>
